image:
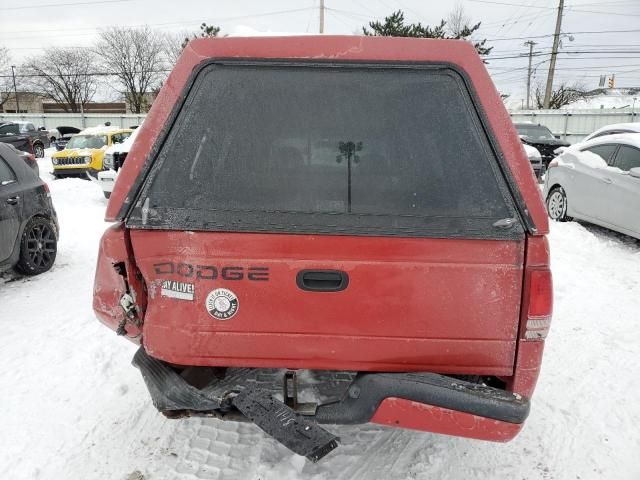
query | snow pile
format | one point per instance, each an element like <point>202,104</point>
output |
<point>587,158</point>
<point>613,98</point>
<point>74,407</point>
<point>100,130</point>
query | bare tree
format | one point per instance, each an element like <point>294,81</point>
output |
<point>457,20</point>
<point>172,46</point>
<point>65,75</point>
<point>5,76</point>
<point>561,95</point>
<point>135,57</point>
<point>174,43</point>
<point>4,58</point>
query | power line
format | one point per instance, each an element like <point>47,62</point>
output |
<point>185,22</point>
<point>566,52</point>
<point>583,67</point>
<point>591,32</point>
<point>577,50</point>
<point>404,7</point>
<point>532,20</point>
<point>493,2</point>
<point>514,16</point>
<point>600,12</point>
<point>366,7</point>
<point>386,5</point>
<point>347,13</point>
<point>310,17</point>
<point>569,58</point>
<point>337,17</point>
<point>46,5</point>
<point>615,4</point>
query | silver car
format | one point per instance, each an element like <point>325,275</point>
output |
<point>535,159</point>
<point>599,182</point>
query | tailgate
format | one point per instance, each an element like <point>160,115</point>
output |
<point>450,306</point>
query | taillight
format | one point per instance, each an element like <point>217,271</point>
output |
<point>540,305</point>
<point>553,163</point>
<point>46,189</point>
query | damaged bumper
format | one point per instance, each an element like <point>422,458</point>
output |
<point>423,401</point>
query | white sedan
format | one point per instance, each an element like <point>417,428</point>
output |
<point>614,129</point>
<point>599,182</point>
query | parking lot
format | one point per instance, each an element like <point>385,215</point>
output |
<point>75,408</point>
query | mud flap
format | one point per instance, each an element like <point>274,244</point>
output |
<point>282,423</point>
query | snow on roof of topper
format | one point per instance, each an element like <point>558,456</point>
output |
<point>244,31</point>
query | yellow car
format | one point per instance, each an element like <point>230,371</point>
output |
<point>85,151</point>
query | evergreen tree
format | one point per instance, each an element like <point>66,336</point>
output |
<point>205,32</point>
<point>395,26</point>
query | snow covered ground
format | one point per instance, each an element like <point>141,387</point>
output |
<point>74,408</point>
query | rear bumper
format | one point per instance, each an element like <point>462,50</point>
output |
<point>420,401</point>
<point>106,179</point>
<point>67,172</point>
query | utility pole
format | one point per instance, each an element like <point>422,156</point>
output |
<point>554,54</point>
<point>531,44</point>
<point>15,89</point>
<point>321,16</point>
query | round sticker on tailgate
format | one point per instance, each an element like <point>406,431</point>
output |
<point>222,304</point>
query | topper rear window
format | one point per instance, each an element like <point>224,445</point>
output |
<point>360,149</point>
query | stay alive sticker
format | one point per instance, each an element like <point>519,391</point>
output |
<point>180,290</point>
<point>222,304</point>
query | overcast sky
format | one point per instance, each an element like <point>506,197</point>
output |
<point>26,28</point>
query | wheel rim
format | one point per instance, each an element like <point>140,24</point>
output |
<point>557,205</point>
<point>39,151</point>
<point>41,246</point>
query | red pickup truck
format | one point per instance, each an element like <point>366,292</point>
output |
<point>331,230</point>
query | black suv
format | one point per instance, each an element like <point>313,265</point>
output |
<point>28,221</point>
<point>540,137</point>
<point>24,136</point>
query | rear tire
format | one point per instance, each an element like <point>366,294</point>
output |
<point>38,247</point>
<point>38,150</point>
<point>557,205</point>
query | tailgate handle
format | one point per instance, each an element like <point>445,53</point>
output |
<point>322,280</point>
